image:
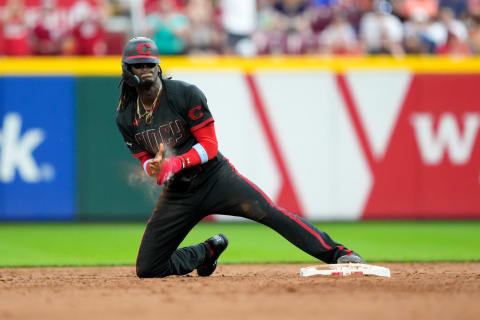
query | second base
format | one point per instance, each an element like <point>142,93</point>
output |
<point>345,269</point>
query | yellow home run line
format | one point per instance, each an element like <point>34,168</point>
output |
<point>110,66</point>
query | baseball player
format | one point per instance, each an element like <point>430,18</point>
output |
<point>168,126</point>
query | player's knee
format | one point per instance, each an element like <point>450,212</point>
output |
<point>143,272</point>
<point>147,270</point>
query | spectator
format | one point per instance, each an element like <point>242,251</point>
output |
<point>239,23</point>
<point>459,7</point>
<point>244,27</point>
<point>473,8</point>
<point>474,34</point>
<point>322,14</point>
<point>339,37</point>
<point>119,26</point>
<point>429,34</point>
<point>155,6</point>
<point>454,46</point>
<point>380,31</point>
<point>169,28</point>
<point>15,32</point>
<point>354,10</point>
<point>457,34</point>
<point>290,29</point>
<point>88,34</point>
<point>49,31</point>
<point>413,40</point>
<point>265,26</point>
<point>205,34</point>
<point>397,9</point>
<point>422,35</point>
<point>120,8</point>
<point>430,7</point>
<point>453,25</point>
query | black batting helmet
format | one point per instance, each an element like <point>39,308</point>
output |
<point>140,50</point>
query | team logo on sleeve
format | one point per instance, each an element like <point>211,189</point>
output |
<point>195,113</point>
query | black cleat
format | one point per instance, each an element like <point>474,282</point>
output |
<point>216,245</point>
<point>351,258</point>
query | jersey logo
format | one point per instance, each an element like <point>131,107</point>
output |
<point>193,114</point>
<point>141,50</point>
<point>171,134</point>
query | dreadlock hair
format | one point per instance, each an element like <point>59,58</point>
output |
<point>127,95</point>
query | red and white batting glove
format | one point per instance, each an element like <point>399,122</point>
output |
<point>171,166</point>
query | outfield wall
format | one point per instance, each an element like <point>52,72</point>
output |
<point>343,139</point>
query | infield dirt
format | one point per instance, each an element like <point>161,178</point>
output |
<point>415,291</point>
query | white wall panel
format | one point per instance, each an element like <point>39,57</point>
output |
<point>318,142</point>
<point>379,97</point>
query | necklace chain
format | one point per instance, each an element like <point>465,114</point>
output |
<point>148,113</point>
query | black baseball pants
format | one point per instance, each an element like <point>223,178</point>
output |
<point>220,189</point>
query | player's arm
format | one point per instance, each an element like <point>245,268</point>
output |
<point>204,150</point>
<point>137,151</point>
<point>201,123</point>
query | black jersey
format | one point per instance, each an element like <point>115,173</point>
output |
<point>182,108</point>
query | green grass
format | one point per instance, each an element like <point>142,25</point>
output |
<point>117,244</point>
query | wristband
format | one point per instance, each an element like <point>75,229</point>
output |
<point>202,153</point>
<point>145,166</point>
<point>171,166</point>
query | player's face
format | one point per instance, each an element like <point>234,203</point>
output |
<point>146,72</point>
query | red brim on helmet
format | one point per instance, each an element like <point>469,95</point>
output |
<point>141,59</point>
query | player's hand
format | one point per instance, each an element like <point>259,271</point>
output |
<point>156,165</point>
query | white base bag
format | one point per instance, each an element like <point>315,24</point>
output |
<point>345,269</point>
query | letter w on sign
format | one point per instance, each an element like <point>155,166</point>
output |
<point>448,137</point>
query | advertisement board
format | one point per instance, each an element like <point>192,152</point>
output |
<point>429,167</point>
<point>341,139</point>
<point>37,177</point>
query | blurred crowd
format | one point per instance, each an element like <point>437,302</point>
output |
<point>242,27</point>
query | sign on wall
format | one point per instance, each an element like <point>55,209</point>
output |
<point>353,145</point>
<point>37,148</point>
<point>327,144</point>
